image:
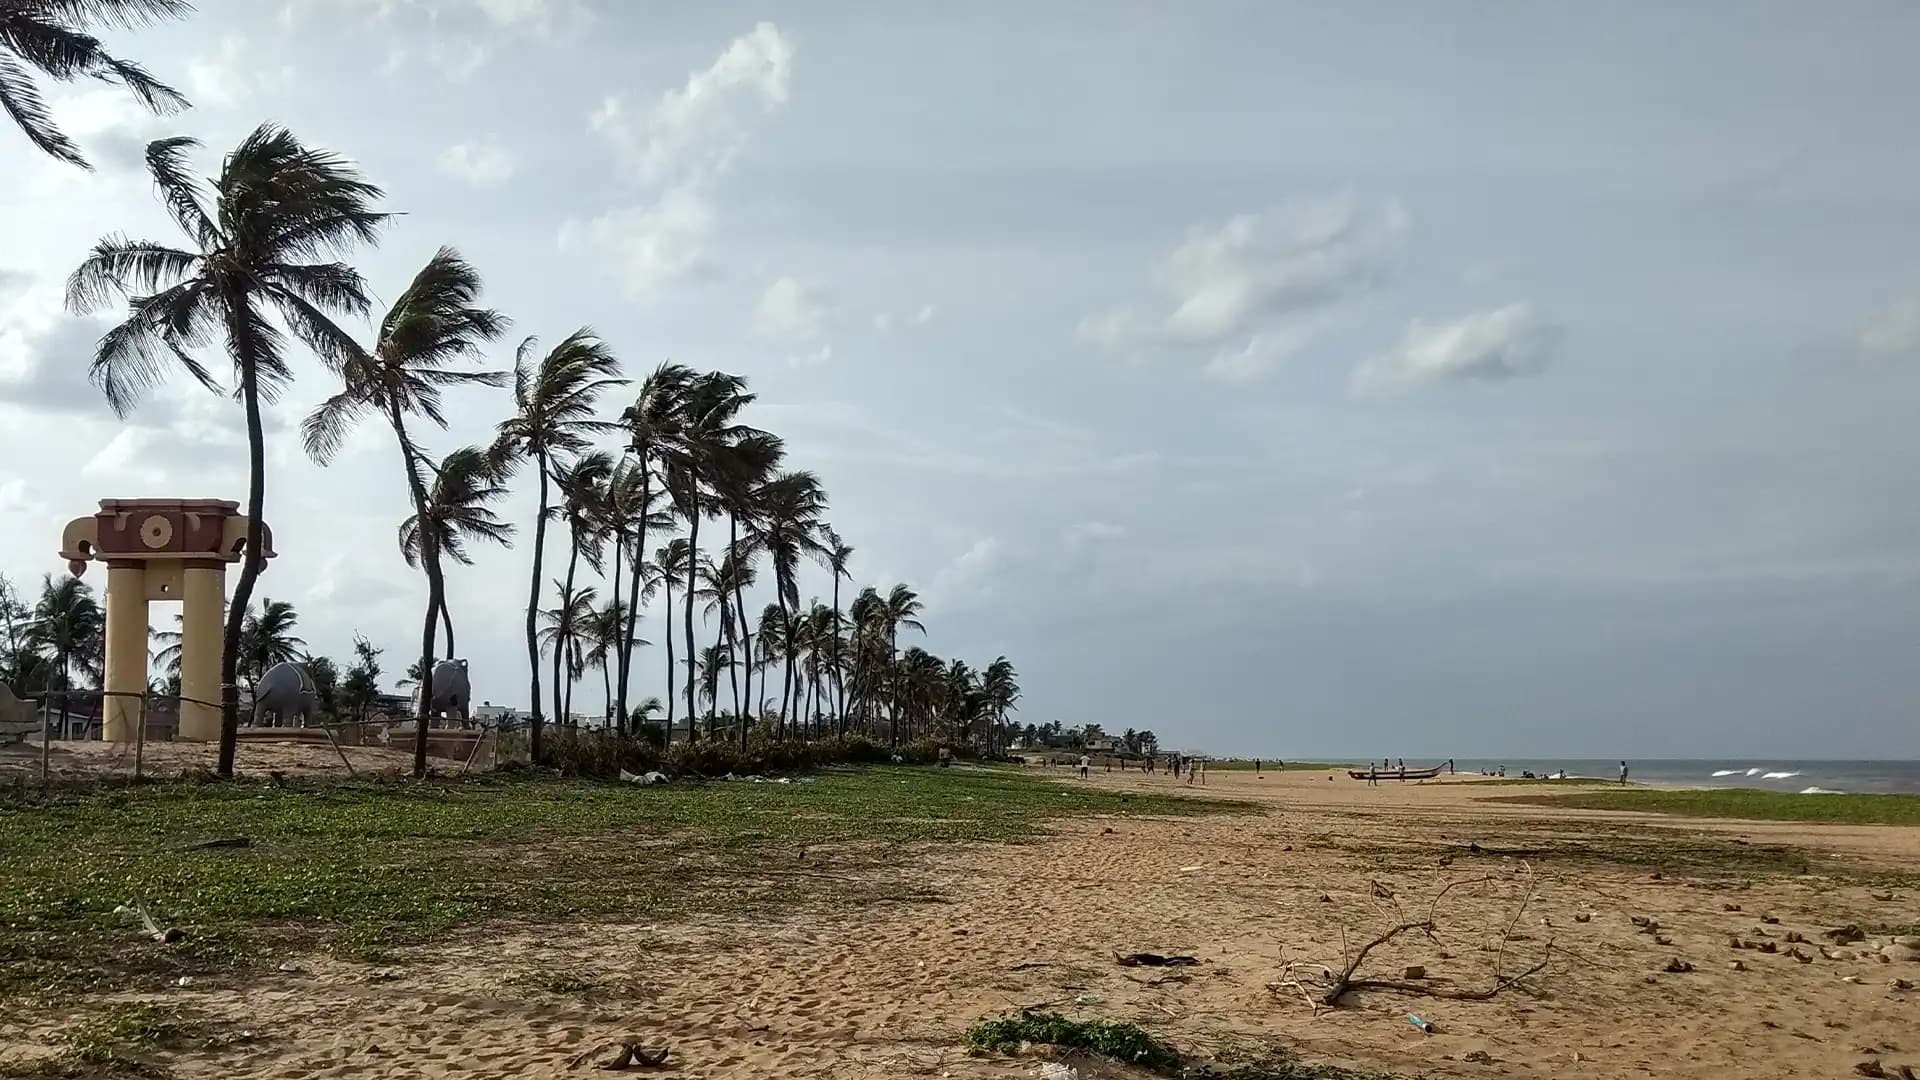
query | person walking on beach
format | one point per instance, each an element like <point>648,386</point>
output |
<point>1623,772</point>
<point>1086,764</point>
<point>1373,775</point>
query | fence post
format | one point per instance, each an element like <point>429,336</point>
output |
<point>46,734</point>
<point>140,738</point>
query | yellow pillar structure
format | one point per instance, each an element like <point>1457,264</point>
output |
<point>204,602</point>
<point>122,707</point>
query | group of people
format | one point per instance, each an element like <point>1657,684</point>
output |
<point>1194,768</point>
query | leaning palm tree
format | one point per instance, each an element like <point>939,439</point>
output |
<point>839,554</point>
<point>789,508</point>
<point>670,565</point>
<point>604,649</point>
<point>54,37</point>
<point>740,472</point>
<point>693,470</point>
<point>566,631</point>
<point>899,611</point>
<point>432,326</point>
<point>553,414</point>
<point>69,632</point>
<point>1000,688</point>
<point>654,423</point>
<point>582,482</point>
<point>278,209</point>
<point>459,509</point>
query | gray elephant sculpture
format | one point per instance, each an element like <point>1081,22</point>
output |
<point>452,697</point>
<point>285,692</point>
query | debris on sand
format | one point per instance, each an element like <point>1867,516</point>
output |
<point>1677,966</point>
<point>1147,959</point>
<point>1845,935</point>
<point>1583,916</point>
<point>1414,971</point>
<point>1736,965</point>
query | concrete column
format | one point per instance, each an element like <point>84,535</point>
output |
<point>126,672</point>
<point>203,594</point>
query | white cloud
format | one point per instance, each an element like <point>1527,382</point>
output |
<point>924,315</point>
<point>1895,331</point>
<point>458,58</point>
<point>1261,353</point>
<point>791,310</point>
<point>1228,285</point>
<point>813,358</point>
<point>1087,532</point>
<point>234,75</point>
<point>883,322</point>
<point>697,129</point>
<point>675,150</point>
<point>1501,343</point>
<point>483,164</point>
<point>970,576</point>
<point>654,244</point>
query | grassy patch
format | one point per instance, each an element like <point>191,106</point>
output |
<point>1512,781</point>
<point>126,1041</point>
<point>367,869</point>
<point>1274,765</point>
<point>1108,1038</point>
<point>1745,803</point>
<point>1134,1045</point>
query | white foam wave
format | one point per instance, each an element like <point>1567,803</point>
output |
<point>1779,776</point>
<point>1755,772</point>
<point>1820,791</point>
<point>1725,772</point>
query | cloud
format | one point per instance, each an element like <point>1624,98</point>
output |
<point>44,352</point>
<point>1895,331</point>
<point>924,315</point>
<point>234,74</point>
<point>654,244</point>
<point>883,322</point>
<point>791,310</point>
<point>1226,285</point>
<point>1262,353</point>
<point>1092,532</point>
<point>458,58</point>
<point>970,576</point>
<point>483,164</point>
<point>813,358</point>
<point>1501,343</point>
<point>676,149</point>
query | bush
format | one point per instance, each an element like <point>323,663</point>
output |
<point>604,754</point>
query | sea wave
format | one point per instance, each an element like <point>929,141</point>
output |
<point>1726,772</point>
<point>1820,791</point>
<point>1755,772</point>
<point>1778,775</point>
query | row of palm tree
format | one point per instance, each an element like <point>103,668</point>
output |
<point>265,256</point>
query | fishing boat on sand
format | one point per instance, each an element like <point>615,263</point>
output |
<point>1403,774</point>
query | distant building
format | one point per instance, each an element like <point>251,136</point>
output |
<point>491,713</point>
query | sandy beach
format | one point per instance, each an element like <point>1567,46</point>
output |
<point>887,989</point>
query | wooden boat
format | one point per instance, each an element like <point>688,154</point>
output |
<point>1403,774</point>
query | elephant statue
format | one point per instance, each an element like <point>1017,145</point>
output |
<point>285,690</point>
<point>452,696</point>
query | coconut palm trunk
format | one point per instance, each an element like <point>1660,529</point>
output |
<point>241,329</point>
<point>436,589</point>
<point>533,610</point>
<point>672,698</point>
<point>633,587</point>
<point>693,567</point>
<point>563,705</point>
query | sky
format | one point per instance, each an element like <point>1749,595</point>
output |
<point>1295,379</point>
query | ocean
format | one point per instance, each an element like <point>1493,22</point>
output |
<point>1775,774</point>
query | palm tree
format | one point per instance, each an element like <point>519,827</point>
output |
<point>583,499</point>
<point>789,508</point>
<point>431,326</point>
<point>670,563</point>
<point>566,632</point>
<point>603,632</point>
<point>459,509</point>
<point>900,610</point>
<point>839,554</point>
<point>267,638</point>
<point>654,424</point>
<point>69,632</point>
<point>553,414</point>
<point>869,638</point>
<point>693,470</point>
<point>362,682</point>
<point>278,208</point>
<point>1000,688</point>
<point>712,659</point>
<point>167,656</point>
<point>52,36</point>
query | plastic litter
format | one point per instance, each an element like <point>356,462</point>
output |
<point>1423,1025</point>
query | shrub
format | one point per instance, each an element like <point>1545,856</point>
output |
<point>604,754</point>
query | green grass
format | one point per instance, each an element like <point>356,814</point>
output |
<point>123,1042</point>
<point>1511,781</point>
<point>369,869</point>
<point>1745,803</point>
<point>1134,1045</point>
